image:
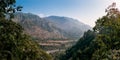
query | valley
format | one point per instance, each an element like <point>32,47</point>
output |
<point>52,46</point>
<point>54,34</point>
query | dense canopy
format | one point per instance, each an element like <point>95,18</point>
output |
<point>14,43</point>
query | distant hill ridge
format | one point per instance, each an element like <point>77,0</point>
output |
<point>52,27</point>
<point>73,27</point>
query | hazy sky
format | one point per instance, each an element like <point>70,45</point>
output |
<point>86,11</point>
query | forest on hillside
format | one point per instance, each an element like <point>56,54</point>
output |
<point>14,43</point>
<point>101,43</point>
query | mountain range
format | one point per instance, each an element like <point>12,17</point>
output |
<point>51,27</point>
<point>72,27</point>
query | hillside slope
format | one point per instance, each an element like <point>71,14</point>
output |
<point>53,27</point>
<point>72,27</point>
<point>37,27</point>
<point>53,35</point>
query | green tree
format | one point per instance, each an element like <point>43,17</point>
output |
<point>108,29</point>
<point>82,50</point>
<point>103,43</point>
<point>7,8</point>
<point>14,43</point>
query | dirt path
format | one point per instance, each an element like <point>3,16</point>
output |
<point>53,51</point>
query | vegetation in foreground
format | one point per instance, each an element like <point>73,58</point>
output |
<point>14,43</point>
<point>101,44</point>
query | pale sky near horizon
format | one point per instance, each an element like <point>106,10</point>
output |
<point>86,11</point>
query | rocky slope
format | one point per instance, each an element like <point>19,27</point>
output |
<point>72,27</point>
<point>52,27</point>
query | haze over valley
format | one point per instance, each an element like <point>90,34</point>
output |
<point>53,32</point>
<point>59,30</point>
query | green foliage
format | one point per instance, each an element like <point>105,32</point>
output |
<point>7,8</point>
<point>82,50</point>
<point>105,45</point>
<point>15,45</point>
<point>107,40</point>
<point>109,31</point>
<point>108,36</point>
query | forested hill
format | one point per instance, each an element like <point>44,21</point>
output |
<point>103,43</point>
<point>53,27</point>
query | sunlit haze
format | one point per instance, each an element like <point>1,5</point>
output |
<point>86,11</point>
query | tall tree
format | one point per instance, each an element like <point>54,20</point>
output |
<point>14,43</point>
<point>103,43</point>
<point>108,29</point>
<point>82,50</point>
<point>7,8</point>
